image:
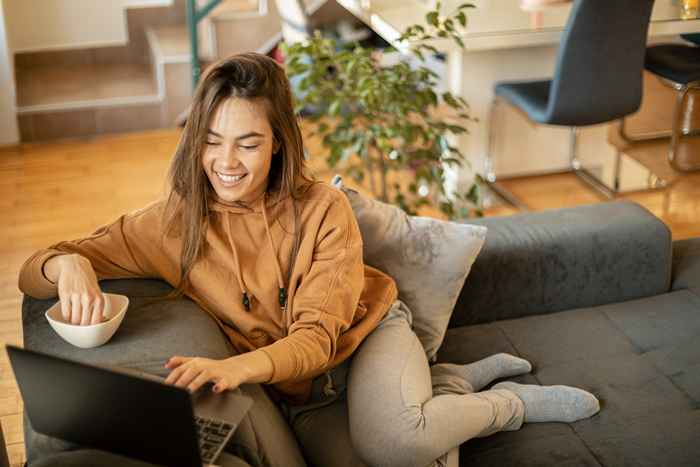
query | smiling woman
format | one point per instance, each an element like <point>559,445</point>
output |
<point>240,147</point>
<point>277,260</point>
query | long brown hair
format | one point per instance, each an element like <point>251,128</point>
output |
<point>246,75</point>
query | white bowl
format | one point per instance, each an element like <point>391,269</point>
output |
<point>92,335</point>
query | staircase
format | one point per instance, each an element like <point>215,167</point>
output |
<point>140,84</point>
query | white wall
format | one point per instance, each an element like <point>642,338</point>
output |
<point>9,133</point>
<point>64,24</point>
<point>36,25</point>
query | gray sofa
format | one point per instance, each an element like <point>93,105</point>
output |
<point>597,297</point>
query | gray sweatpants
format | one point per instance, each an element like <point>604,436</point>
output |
<point>385,406</point>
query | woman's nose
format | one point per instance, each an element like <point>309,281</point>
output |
<point>231,157</point>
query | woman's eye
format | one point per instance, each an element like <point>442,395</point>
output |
<point>211,143</point>
<point>250,147</point>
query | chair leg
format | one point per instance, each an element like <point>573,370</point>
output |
<point>586,175</point>
<point>677,130</point>
<point>573,148</point>
<point>490,174</point>
<point>618,168</point>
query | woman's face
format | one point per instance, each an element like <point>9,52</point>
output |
<point>239,144</point>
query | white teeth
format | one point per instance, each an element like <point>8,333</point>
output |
<point>230,178</point>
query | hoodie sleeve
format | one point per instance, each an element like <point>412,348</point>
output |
<point>325,301</point>
<point>121,249</point>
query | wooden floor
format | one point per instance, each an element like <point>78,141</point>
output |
<point>65,190</point>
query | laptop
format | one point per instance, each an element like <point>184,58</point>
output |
<point>126,411</point>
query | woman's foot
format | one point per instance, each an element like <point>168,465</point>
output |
<point>500,365</point>
<point>553,403</point>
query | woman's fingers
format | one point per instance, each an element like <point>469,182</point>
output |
<point>189,373</point>
<point>177,363</point>
<point>75,309</point>
<point>201,378</point>
<point>65,309</point>
<point>96,312</point>
<point>221,385</point>
<point>85,305</point>
<point>186,377</point>
<point>107,306</point>
<point>87,312</point>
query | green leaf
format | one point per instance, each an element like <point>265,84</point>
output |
<point>334,108</point>
<point>451,101</point>
<point>474,195</point>
<point>462,18</point>
<point>432,18</point>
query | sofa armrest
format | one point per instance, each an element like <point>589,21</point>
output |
<point>686,264</point>
<point>556,260</point>
<point>147,337</point>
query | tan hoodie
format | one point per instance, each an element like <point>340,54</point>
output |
<point>333,299</point>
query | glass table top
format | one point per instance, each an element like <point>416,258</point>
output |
<point>506,16</point>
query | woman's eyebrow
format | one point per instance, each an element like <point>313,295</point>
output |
<point>238,138</point>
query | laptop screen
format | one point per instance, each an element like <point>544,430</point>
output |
<point>104,409</point>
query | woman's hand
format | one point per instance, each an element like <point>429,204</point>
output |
<point>192,372</point>
<point>82,301</point>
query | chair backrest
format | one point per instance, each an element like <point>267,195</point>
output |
<point>600,61</point>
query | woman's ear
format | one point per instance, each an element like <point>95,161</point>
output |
<point>275,146</point>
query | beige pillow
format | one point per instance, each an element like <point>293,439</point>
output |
<point>428,258</point>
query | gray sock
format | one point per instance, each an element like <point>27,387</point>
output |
<point>553,403</point>
<point>500,365</point>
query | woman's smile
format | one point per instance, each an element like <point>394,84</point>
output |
<point>229,181</point>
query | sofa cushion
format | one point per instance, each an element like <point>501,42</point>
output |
<point>560,259</point>
<point>428,258</point>
<point>639,357</point>
<point>686,264</point>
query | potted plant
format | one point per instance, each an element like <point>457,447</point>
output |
<point>385,124</point>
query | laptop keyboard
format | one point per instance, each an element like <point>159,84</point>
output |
<point>213,435</point>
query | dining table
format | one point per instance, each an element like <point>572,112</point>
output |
<point>513,40</point>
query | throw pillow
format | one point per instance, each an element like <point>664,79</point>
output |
<point>428,258</point>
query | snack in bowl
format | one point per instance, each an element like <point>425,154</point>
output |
<point>92,335</point>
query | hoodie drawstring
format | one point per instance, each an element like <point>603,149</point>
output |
<point>282,290</point>
<point>241,283</point>
<point>239,276</point>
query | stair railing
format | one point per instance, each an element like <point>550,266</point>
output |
<point>194,16</point>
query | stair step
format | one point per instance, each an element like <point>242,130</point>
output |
<point>44,88</point>
<point>170,44</point>
<point>227,7</point>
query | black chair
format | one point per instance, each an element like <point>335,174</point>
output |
<point>693,37</point>
<point>597,79</point>
<point>677,66</point>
